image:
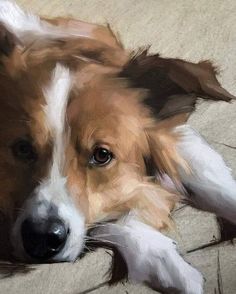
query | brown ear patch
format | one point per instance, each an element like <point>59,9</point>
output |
<point>7,41</point>
<point>93,44</point>
<point>74,51</point>
<point>11,58</point>
<point>101,33</point>
<point>174,84</point>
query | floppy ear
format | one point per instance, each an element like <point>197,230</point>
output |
<point>76,42</point>
<point>7,42</point>
<point>10,52</point>
<point>88,42</point>
<point>60,37</point>
<point>80,28</point>
<point>174,84</point>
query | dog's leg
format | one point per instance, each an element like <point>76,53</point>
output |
<point>210,182</point>
<point>150,256</point>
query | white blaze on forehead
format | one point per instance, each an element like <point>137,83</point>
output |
<point>56,96</point>
<point>52,195</point>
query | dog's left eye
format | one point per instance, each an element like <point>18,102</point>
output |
<point>101,156</point>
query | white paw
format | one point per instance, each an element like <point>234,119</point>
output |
<point>164,269</point>
<point>152,257</point>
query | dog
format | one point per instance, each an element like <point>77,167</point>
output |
<point>94,147</point>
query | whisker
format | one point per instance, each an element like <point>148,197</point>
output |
<point>106,241</point>
<point>104,235</point>
<point>87,248</point>
<point>97,237</point>
<point>96,225</point>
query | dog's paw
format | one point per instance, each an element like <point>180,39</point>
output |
<point>151,257</point>
<point>173,278</point>
<point>158,264</point>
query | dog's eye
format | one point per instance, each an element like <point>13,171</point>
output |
<point>101,156</point>
<point>22,149</point>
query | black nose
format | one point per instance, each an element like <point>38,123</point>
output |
<point>43,239</point>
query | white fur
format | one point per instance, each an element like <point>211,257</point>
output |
<point>29,27</point>
<point>53,189</point>
<point>211,180</point>
<point>56,96</point>
<point>52,193</point>
<point>18,20</point>
<point>38,208</point>
<point>151,257</point>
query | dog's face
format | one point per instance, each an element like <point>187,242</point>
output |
<point>73,149</point>
<point>77,139</point>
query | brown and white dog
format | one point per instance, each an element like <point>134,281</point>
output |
<point>91,133</point>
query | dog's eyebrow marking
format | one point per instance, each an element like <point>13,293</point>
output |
<point>56,96</point>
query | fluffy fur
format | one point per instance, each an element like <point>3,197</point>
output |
<point>211,182</point>
<point>151,257</point>
<point>69,87</point>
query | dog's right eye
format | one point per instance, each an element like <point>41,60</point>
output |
<point>23,149</point>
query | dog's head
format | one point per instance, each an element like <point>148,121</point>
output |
<point>78,138</point>
<point>74,140</point>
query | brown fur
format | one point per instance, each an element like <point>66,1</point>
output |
<point>173,84</point>
<point>93,31</point>
<point>7,41</point>
<point>112,104</point>
<point>109,114</point>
